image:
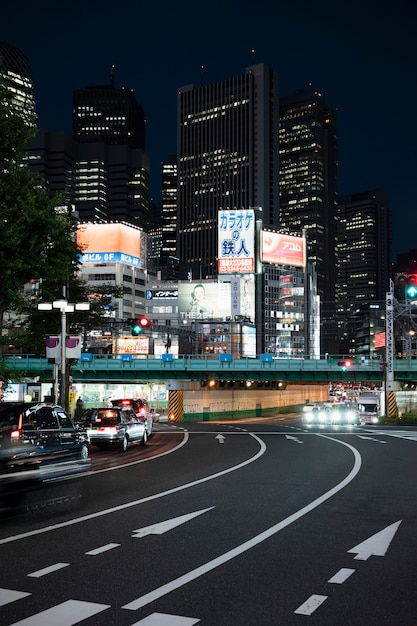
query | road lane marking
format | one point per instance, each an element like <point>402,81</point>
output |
<point>162,527</point>
<point>343,574</point>
<point>10,595</point>
<point>108,546</point>
<point>66,614</point>
<point>48,570</point>
<point>370,438</point>
<point>231,554</point>
<point>292,438</point>
<point>128,505</point>
<point>163,619</point>
<point>377,545</point>
<point>309,606</point>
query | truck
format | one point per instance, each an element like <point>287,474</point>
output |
<point>370,406</point>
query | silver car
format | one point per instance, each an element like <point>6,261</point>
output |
<point>113,427</point>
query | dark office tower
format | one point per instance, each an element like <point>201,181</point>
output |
<point>308,180</point>
<point>109,115</point>
<point>364,233</point>
<point>227,158</point>
<point>113,171</point>
<point>16,73</point>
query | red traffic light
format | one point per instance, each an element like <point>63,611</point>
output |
<point>346,364</point>
<point>144,322</point>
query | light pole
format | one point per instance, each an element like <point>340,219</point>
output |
<point>65,307</point>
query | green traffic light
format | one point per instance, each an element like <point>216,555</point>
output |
<point>136,329</point>
<point>411,292</point>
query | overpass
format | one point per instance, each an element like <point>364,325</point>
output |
<point>131,368</point>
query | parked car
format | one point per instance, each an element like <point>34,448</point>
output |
<point>140,408</point>
<point>113,427</point>
<point>44,425</point>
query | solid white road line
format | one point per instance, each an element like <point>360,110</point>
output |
<point>227,556</point>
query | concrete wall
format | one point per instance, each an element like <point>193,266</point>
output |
<point>206,404</point>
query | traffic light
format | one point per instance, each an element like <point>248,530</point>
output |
<point>345,364</point>
<point>140,325</point>
<point>411,287</point>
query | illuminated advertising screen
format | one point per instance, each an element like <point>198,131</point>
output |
<point>131,345</point>
<point>236,249</point>
<point>109,243</point>
<point>204,300</point>
<point>249,341</point>
<point>243,296</point>
<point>282,249</point>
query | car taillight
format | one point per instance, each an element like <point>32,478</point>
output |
<point>112,430</point>
<point>15,435</point>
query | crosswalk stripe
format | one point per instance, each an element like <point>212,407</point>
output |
<point>66,614</point>
<point>10,595</point>
<point>163,619</point>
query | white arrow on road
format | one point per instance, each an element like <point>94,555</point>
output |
<point>221,438</point>
<point>293,438</point>
<point>169,524</point>
<point>377,545</point>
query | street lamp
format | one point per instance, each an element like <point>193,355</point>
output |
<point>65,307</point>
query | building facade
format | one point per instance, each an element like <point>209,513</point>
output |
<point>17,76</point>
<point>227,159</point>
<point>308,185</point>
<point>364,233</point>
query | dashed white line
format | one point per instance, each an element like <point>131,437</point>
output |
<point>309,606</point>
<point>343,574</point>
<point>48,570</point>
<point>108,546</point>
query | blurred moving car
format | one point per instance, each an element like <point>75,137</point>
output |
<point>39,446</point>
<point>345,415</point>
<point>113,427</point>
<point>42,424</point>
<point>309,406</point>
<point>140,408</point>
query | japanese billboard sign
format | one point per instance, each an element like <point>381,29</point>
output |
<point>204,301</point>
<point>109,243</point>
<point>282,249</point>
<point>236,249</point>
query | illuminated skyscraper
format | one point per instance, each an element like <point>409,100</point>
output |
<point>308,180</point>
<point>16,73</point>
<point>227,158</point>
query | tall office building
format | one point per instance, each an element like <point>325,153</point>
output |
<point>364,234</point>
<point>103,169</point>
<point>308,180</point>
<point>17,76</point>
<point>110,115</point>
<point>227,158</point>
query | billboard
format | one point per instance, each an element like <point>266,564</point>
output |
<point>109,243</point>
<point>204,300</point>
<point>236,247</point>
<point>282,249</point>
<point>243,296</point>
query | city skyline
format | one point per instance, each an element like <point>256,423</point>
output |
<point>363,67</point>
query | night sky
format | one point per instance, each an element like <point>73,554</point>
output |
<point>360,56</point>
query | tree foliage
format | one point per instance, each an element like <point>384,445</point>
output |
<point>38,246</point>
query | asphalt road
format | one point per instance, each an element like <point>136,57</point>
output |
<point>262,523</point>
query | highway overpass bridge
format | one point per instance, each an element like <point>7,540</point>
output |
<point>128,368</point>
